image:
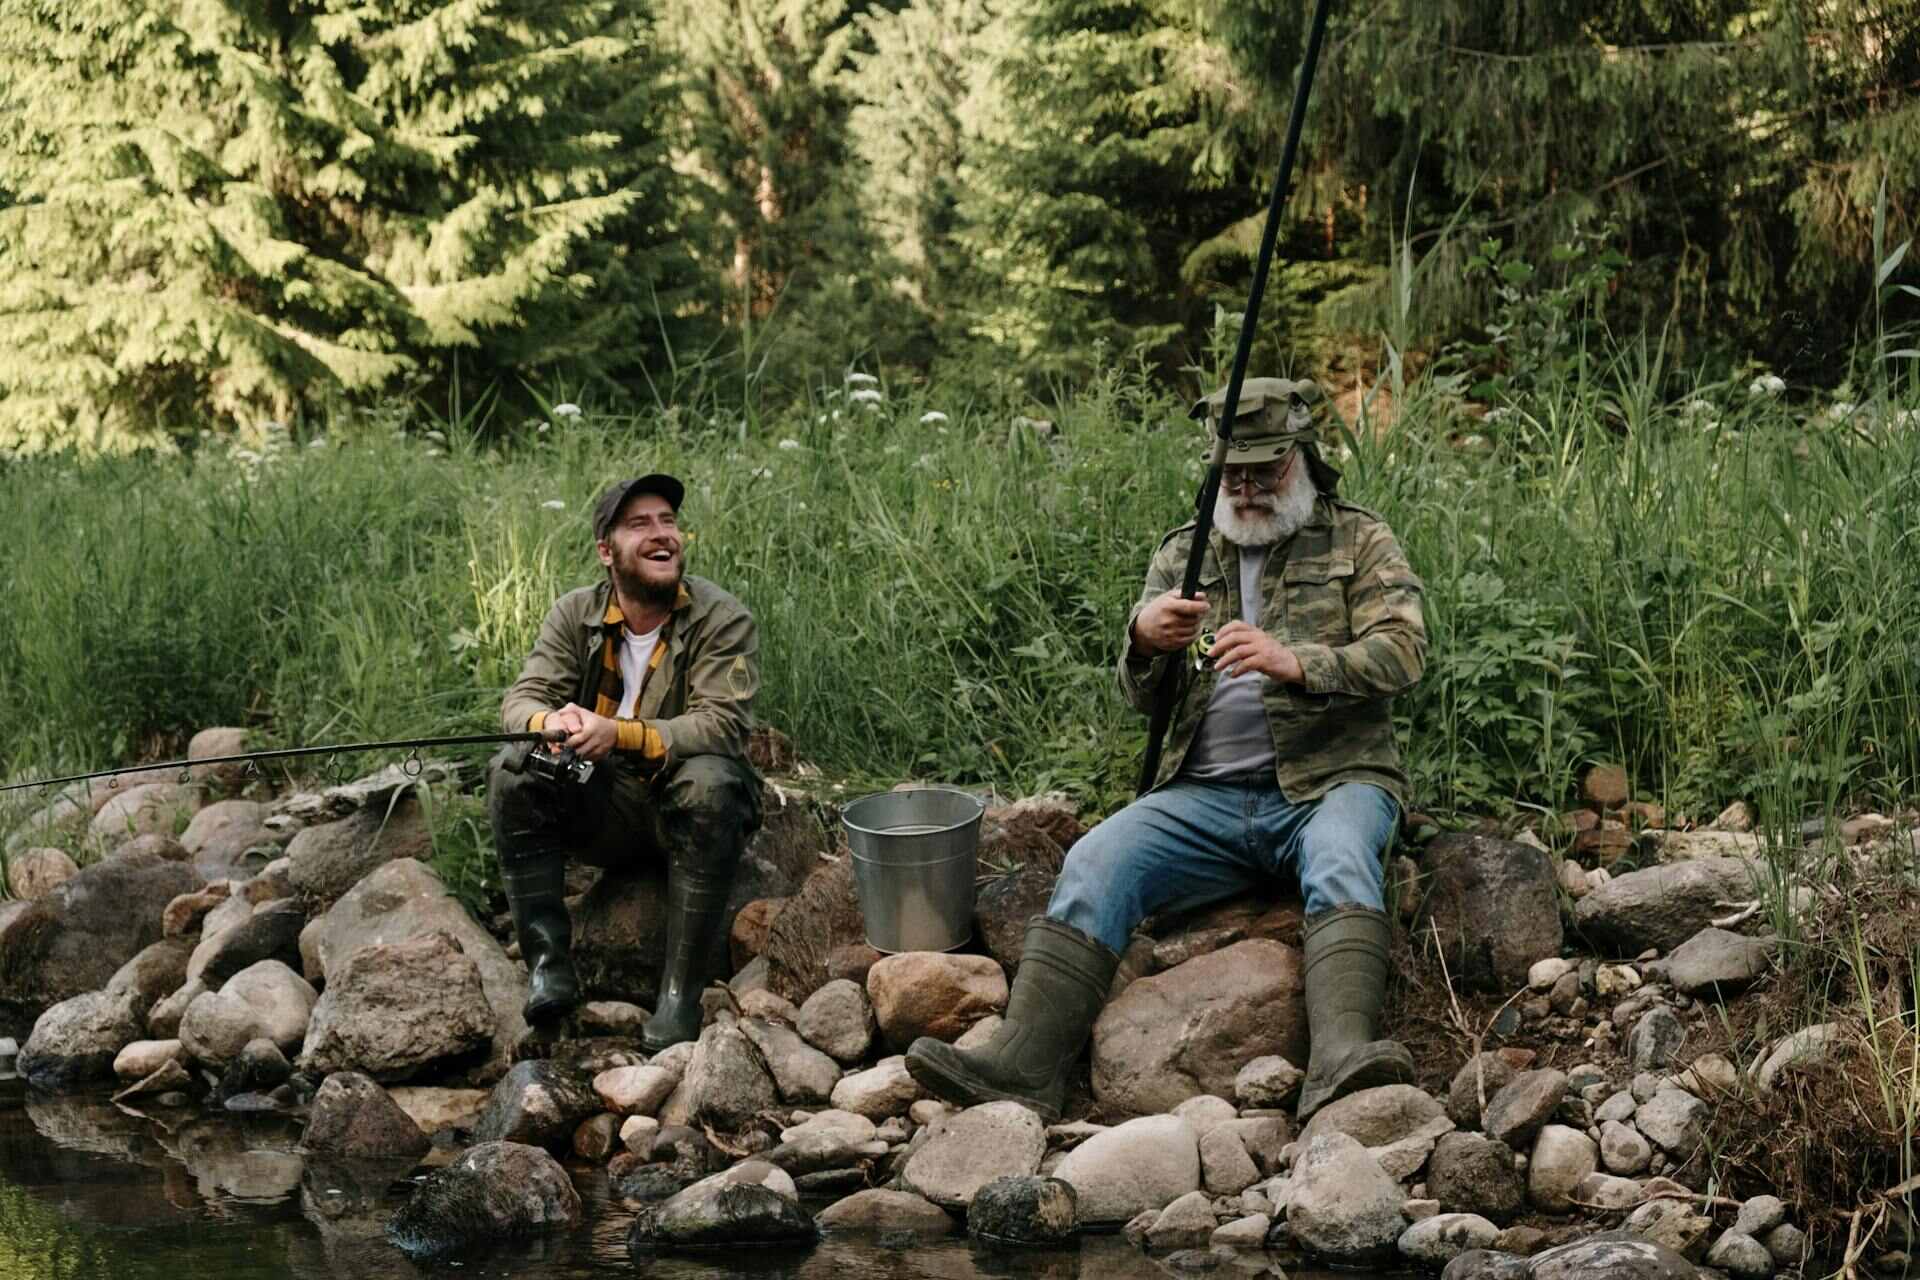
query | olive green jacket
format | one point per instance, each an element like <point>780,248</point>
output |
<point>1341,595</point>
<point>697,699</point>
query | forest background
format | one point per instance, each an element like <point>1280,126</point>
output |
<point>321,322</point>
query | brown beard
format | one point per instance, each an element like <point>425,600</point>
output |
<point>642,591</point>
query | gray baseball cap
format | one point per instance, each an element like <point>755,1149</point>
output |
<point>608,508</point>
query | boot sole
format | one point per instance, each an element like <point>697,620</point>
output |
<point>948,1088</point>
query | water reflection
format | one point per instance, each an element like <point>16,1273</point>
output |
<point>90,1189</point>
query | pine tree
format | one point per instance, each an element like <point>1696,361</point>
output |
<point>242,210</point>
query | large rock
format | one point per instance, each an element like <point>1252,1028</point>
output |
<point>889,1212</point>
<point>727,1083</point>
<point>35,873</point>
<point>1562,1158</point>
<point>1611,1255</point>
<point>1674,1120</point>
<point>1475,1085</point>
<point>399,1010</point>
<point>151,976</point>
<point>538,1103</point>
<point>838,1020</point>
<point>72,940</point>
<point>1003,909</point>
<point>325,861</point>
<point>964,1152</point>
<point>1183,936</point>
<point>212,744</point>
<point>1143,1164</point>
<point>1472,1173</point>
<point>265,1000</point>
<point>1436,1241</point>
<point>77,1040</point>
<point>1341,1205</point>
<point>823,917</point>
<point>932,993</point>
<point>405,899</point>
<point>270,932</point>
<point>1189,1031</point>
<point>1661,907</point>
<point>354,1116</point>
<point>720,1210</point>
<point>883,1090</point>
<point>1523,1104</point>
<point>230,839</point>
<point>154,808</point>
<point>1716,962</point>
<point>495,1191</point>
<point>1020,1209</point>
<point>802,1074</point>
<point>1495,906</point>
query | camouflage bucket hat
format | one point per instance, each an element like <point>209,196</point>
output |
<point>1273,415</point>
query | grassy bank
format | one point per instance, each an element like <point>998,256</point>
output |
<point>1720,593</point>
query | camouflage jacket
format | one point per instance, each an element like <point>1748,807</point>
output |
<point>698,696</point>
<point>1341,595</point>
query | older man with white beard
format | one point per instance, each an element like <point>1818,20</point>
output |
<point>1280,765</point>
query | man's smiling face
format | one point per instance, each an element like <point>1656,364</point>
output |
<point>643,549</point>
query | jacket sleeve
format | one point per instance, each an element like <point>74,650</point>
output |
<point>548,679</point>
<point>1139,677</point>
<point>1389,646</point>
<point>721,681</point>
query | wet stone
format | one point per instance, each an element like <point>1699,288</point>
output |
<point>1023,1209</point>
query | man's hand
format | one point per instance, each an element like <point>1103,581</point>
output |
<point>1168,623</point>
<point>591,736</point>
<point>1240,648</point>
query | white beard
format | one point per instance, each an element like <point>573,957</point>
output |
<point>1272,517</point>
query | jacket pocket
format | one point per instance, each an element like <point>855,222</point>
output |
<point>1316,593</point>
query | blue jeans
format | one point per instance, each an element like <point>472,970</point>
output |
<point>1190,843</point>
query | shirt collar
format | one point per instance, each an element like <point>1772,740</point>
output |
<point>614,618</point>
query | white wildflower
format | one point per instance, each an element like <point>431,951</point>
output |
<point>566,410</point>
<point>1767,384</point>
<point>866,395</point>
<point>823,417</point>
<point>932,416</point>
<point>1493,418</point>
<point>438,437</point>
<point>554,504</point>
<point>789,443</point>
<point>1842,410</point>
<point>318,442</point>
<point>862,380</point>
<point>760,473</point>
<point>1696,408</point>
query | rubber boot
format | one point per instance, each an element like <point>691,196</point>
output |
<point>536,886</point>
<point>1057,993</point>
<point>696,912</point>
<point>1346,980</point>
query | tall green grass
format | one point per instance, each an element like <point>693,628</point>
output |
<point>1723,597</point>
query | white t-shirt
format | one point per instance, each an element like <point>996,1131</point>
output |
<point>635,653</point>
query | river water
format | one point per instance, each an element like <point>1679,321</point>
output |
<point>88,1189</point>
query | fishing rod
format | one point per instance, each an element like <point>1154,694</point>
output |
<point>561,765</point>
<point>1210,487</point>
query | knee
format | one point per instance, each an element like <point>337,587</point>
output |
<point>714,788</point>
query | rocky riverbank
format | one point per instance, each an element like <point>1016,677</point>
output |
<point>1615,1077</point>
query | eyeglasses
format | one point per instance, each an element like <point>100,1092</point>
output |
<point>1265,479</point>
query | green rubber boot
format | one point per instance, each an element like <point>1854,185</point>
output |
<point>1346,979</point>
<point>536,886</point>
<point>696,912</point>
<point>1057,993</point>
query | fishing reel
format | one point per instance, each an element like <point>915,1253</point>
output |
<point>559,766</point>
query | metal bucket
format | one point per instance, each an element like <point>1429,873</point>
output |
<point>915,854</point>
